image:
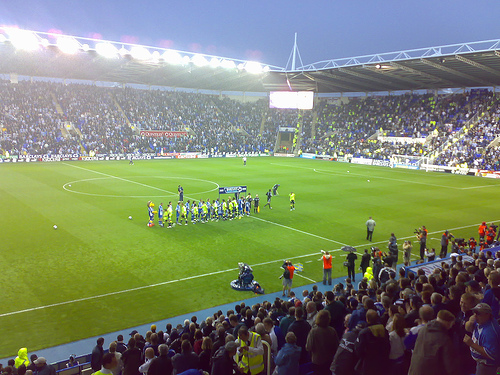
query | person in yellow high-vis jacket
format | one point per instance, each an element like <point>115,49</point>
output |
<point>250,355</point>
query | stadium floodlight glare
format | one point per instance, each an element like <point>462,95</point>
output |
<point>155,55</point>
<point>241,66</point>
<point>2,38</point>
<point>186,60</point>
<point>123,51</point>
<point>253,67</point>
<point>266,69</point>
<point>85,47</point>
<point>172,57</point>
<point>140,53</point>
<point>106,49</point>
<point>228,64</point>
<point>214,63</point>
<point>199,60</point>
<point>45,42</point>
<point>23,39</point>
<point>68,45</point>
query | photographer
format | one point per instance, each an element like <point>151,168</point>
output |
<point>287,277</point>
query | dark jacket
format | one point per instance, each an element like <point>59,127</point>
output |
<point>185,361</point>
<point>345,358</point>
<point>434,352</point>
<point>301,329</point>
<point>96,358</point>
<point>222,363</point>
<point>132,359</point>
<point>372,348</point>
<point>161,365</point>
<point>322,343</point>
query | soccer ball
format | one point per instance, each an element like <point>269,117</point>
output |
<point>368,180</point>
<point>130,217</point>
<point>55,226</point>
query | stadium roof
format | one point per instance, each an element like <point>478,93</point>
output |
<point>455,66</point>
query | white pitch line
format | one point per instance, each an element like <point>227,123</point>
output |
<point>119,178</point>
<point>304,277</point>
<point>300,231</point>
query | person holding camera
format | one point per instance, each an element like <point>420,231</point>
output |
<point>422,238</point>
<point>287,277</point>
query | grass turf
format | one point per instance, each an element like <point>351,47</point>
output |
<point>101,272</point>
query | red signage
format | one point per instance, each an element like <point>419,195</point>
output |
<point>162,133</point>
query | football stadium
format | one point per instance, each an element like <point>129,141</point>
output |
<point>142,187</point>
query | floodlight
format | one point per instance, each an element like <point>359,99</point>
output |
<point>22,39</point>
<point>172,57</point>
<point>123,51</point>
<point>214,63</point>
<point>68,45</point>
<point>45,42</point>
<point>2,38</point>
<point>199,60</point>
<point>228,64</point>
<point>241,66</point>
<point>106,49</point>
<point>186,60</point>
<point>140,53</point>
<point>378,66</point>
<point>155,55</point>
<point>266,69</point>
<point>85,47</point>
<point>253,67</point>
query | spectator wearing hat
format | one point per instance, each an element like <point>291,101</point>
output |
<point>223,362</point>
<point>434,352</point>
<point>485,341</point>
<point>32,365</point>
<point>97,354</point>
<point>42,368</point>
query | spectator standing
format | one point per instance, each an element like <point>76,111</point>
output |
<point>301,330</point>
<point>327,267</point>
<point>120,345</point>
<point>370,227</point>
<point>485,342</point>
<point>287,360</point>
<point>132,358</point>
<point>444,245</point>
<point>108,364</point>
<point>42,368</point>
<point>322,343</point>
<point>97,354</point>
<point>434,352</point>
<point>186,359</point>
<point>365,262</point>
<point>22,358</point>
<point>350,259</point>
<point>372,347</point>
<point>407,248</point>
<point>223,362</point>
<point>161,365</point>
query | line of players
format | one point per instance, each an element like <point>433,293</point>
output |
<point>203,211</point>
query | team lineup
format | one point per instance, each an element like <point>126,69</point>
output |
<point>203,211</point>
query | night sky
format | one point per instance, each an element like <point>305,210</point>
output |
<point>264,30</point>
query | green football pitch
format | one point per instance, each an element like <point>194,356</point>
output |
<point>100,272</point>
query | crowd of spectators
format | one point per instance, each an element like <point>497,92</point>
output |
<point>441,323</point>
<point>54,118</point>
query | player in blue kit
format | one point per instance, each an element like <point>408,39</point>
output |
<point>188,211</point>
<point>177,212</point>
<point>151,213</point>
<point>209,209</point>
<point>160,215</point>
<point>248,204</point>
